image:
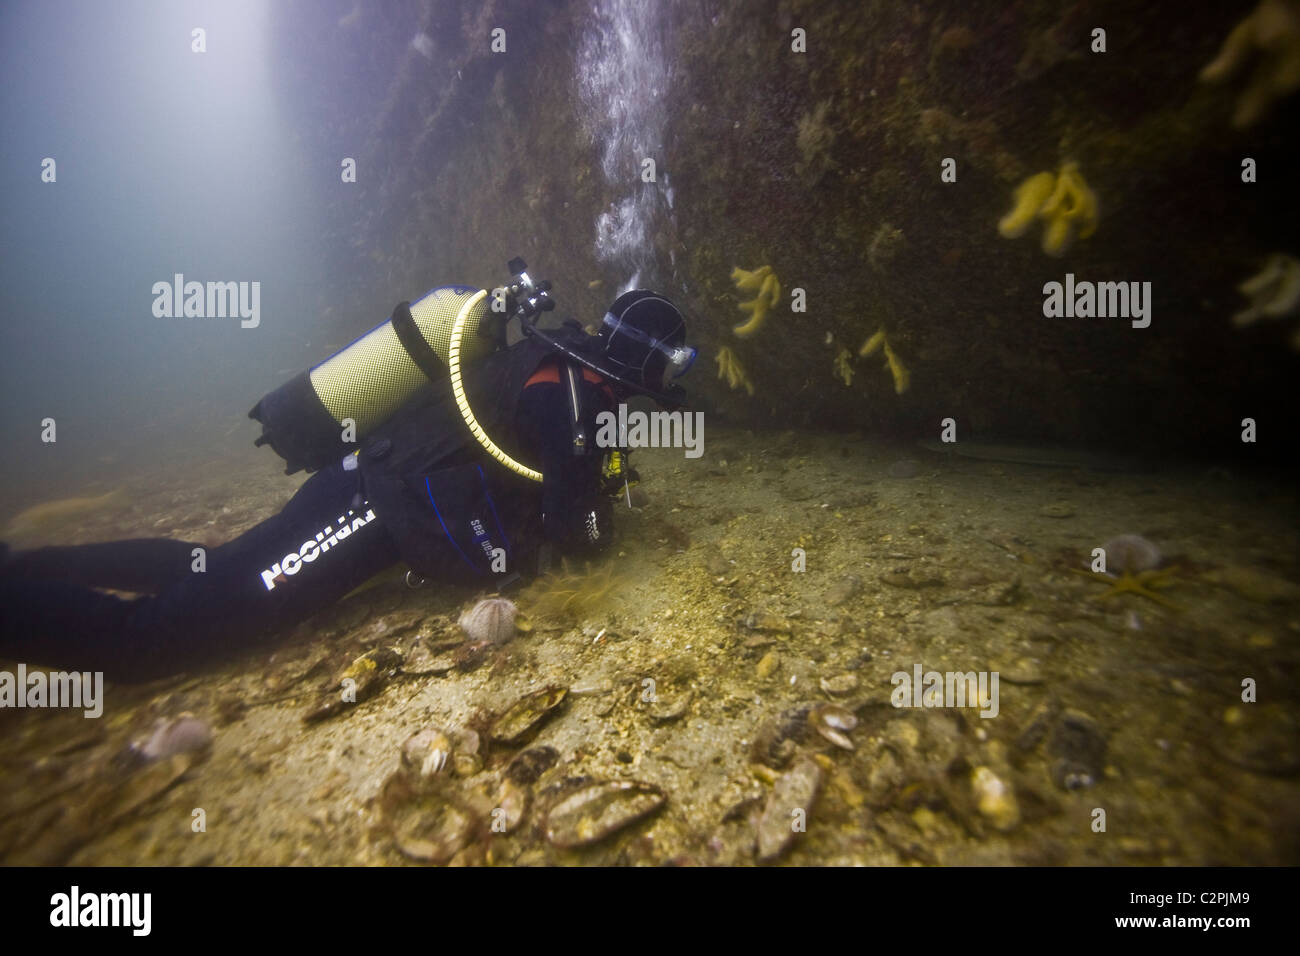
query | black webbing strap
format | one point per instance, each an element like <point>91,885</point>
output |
<point>408,333</point>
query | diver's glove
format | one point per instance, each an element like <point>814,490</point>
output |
<point>590,529</point>
<point>583,527</point>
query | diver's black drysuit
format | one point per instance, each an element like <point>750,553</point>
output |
<point>421,490</point>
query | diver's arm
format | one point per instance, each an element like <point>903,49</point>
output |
<point>576,515</point>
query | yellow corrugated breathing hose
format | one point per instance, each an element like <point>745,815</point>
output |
<point>458,392</point>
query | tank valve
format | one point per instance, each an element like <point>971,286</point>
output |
<point>529,298</point>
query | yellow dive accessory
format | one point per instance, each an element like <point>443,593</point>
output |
<point>613,466</point>
<point>617,476</point>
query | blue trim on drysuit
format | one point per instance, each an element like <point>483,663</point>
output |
<point>447,531</point>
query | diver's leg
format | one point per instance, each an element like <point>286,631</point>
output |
<point>145,565</point>
<point>205,616</point>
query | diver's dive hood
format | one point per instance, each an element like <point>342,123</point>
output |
<point>642,336</point>
<point>590,356</point>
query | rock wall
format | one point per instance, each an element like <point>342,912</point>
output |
<point>826,166</point>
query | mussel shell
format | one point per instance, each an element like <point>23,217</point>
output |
<point>526,714</point>
<point>370,673</point>
<point>837,718</point>
<point>600,809</point>
<point>373,667</point>
<point>831,720</point>
<point>835,737</point>
<point>1079,746</point>
<point>432,830</point>
<point>512,800</point>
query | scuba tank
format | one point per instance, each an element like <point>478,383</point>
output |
<point>364,383</point>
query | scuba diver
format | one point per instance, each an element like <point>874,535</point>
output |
<point>413,484</point>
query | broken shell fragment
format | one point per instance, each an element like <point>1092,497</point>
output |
<point>670,706</point>
<point>765,621</point>
<point>424,660</point>
<point>835,737</point>
<point>840,685</point>
<point>531,764</point>
<point>995,799</point>
<point>778,739</point>
<point>599,809</point>
<point>788,808</point>
<point>835,716</point>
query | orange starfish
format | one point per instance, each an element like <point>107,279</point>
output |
<point>1141,584</point>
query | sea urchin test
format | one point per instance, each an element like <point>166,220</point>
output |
<point>1104,300</point>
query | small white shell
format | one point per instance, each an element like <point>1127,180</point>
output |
<point>830,721</point>
<point>183,734</point>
